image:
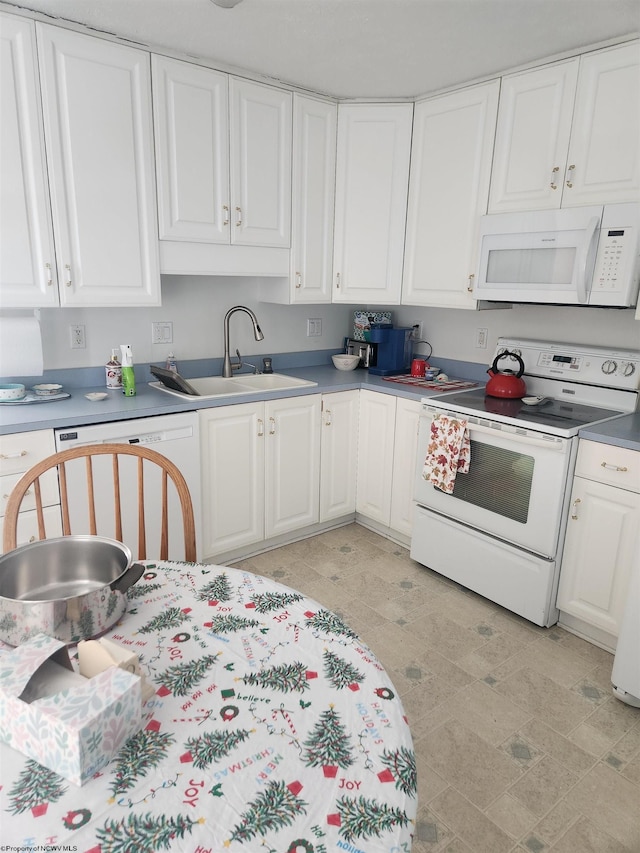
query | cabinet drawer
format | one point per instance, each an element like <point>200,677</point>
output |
<point>605,463</point>
<point>20,451</point>
<point>48,486</point>
<point>28,525</point>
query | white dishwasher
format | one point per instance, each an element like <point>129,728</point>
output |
<point>177,438</point>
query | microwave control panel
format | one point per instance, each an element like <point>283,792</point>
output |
<point>611,261</point>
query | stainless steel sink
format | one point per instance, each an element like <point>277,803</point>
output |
<point>211,387</point>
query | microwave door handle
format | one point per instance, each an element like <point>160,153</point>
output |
<point>586,271</point>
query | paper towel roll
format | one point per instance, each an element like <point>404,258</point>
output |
<point>20,347</point>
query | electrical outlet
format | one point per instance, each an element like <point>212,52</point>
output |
<point>481,338</point>
<point>314,328</point>
<point>76,334</point>
<point>416,332</point>
<point>162,333</point>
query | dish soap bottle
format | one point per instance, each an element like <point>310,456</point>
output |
<point>172,364</point>
<point>128,376</point>
<point>113,371</point>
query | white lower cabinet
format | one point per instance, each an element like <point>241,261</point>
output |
<point>260,471</point>
<point>602,531</point>
<point>338,454</point>
<point>386,459</point>
<point>18,453</point>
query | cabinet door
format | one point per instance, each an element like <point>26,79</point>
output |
<point>260,118</point>
<point>338,454</point>
<point>98,132</point>
<point>314,168</point>
<point>374,144</point>
<point>27,259</point>
<point>450,170</point>
<point>598,553</point>
<point>292,463</point>
<point>604,153</point>
<point>404,465</point>
<point>232,448</point>
<point>191,123</point>
<point>375,455</point>
<point>532,138</point>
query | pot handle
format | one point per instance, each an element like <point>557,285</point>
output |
<point>494,366</point>
<point>126,580</point>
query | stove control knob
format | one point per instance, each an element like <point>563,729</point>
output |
<point>609,366</point>
<point>628,368</point>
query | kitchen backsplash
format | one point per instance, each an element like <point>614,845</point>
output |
<point>196,307</point>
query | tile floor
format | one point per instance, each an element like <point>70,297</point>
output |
<point>520,745</point>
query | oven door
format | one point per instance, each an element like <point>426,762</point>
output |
<point>515,488</point>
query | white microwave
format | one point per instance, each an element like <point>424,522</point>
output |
<point>574,256</point>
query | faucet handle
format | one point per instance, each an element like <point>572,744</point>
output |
<point>239,364</point>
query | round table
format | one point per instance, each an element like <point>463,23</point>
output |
<point>273,729</point>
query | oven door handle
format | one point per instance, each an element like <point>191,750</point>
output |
<point>554,443</point>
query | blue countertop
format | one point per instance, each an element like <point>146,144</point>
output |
<point>76,410</point>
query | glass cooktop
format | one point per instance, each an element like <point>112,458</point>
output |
<point>563,415</point>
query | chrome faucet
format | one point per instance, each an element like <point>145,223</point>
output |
<point>227,367</point>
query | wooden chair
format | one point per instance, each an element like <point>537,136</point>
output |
<point>64,458</point>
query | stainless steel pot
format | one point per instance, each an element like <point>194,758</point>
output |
<point>73,588</point>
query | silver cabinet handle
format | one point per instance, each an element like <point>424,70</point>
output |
<point>574,514</point>
<point>260,427</point>
<point>225,214</point>
<point>238,217</point>
<point>15,455</point>
<point>554,177</point>
<point>49,275</point>
<point>470,285</point>
<point>27,494</point>
<point>569,180</point>
<point>328,417</point>
<point>298,279</point>
<point>68,269</point>
<point>609,467</point>
<point>338,280</point>
<point>272,426</point>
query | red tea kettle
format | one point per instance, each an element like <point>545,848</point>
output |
<point>506,383</point>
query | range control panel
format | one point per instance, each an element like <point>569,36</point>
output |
<point>593,365</point>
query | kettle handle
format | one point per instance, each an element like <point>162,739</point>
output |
<point>494,366</point>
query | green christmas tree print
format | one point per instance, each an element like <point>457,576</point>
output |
<point>213,746</point>
<point>139,590</point>
<point>285,677</point>
<point>328,744</point>
<point>266,602</point>
<point>140,753</point>
<point>218,589</point>
<point>402,763</point>
<point>227,624</point>
<point>340,672</point>
<point>363,818</point>
<point>182,677</point>
<point>34,786</point>
<point>327,621</point>
<point>114,598</point>
<point>274,808</point>
<point>7,623</point>
<point>85,623</point>
<point>143,833</point>
<point>172,617</point>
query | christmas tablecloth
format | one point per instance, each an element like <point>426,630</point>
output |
<point>273,729</point>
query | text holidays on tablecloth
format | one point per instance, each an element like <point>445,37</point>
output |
<point>370,724</point>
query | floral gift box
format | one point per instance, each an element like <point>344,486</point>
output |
<point>70,724</point>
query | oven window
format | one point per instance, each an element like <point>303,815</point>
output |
<point>498,480</point>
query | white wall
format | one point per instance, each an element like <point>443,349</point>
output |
<point>453,333</point>
<point>196,306</point>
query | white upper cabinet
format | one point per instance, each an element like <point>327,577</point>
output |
<point>534,125</point>
<point>260,121</point>
<point>99,139</point>
<point>453,139</point>
<point>223,156</point>
<point>27,258</point>
<point>191,122</point>
<point>569,133</point>
<point>372,171</point>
